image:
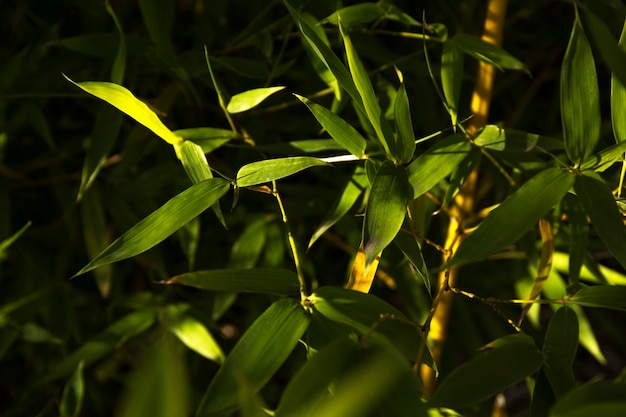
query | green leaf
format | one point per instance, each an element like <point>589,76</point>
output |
<point>361,313</point>
<point>256,356</point>
<point>273,169</point>
<point>6,243</point>
<point>119,64</point>
<point>209,138</point>
<point>73,394</point>
<point>161,223</point>
<point>340,130</point>
<point>351,192</point>
<point>559,348</point>
<point>602,209</point>
<point>452,77</point>
<point>461,173</point>
<point>250,99</point>
<point>257,280</point>
<point>580,105</point>
<point>515,216</point>
<point>110,338</point>
<point>190,331</point>
<point>411,249</point>
<point>604,159</point>
<point>488,53</point>
<point>488,373</point>
<point>192,157</point>
<point>600,398</point>
<point>618,96</point>
<point>578,236</point>
<point>437,163</point>
<point>355,15</point>
<point>602,296</point>
<point>122,99</point>
<point>402,116</point>
<point>510,140</point>
<point>390,193</point>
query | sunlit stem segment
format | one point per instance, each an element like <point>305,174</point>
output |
<point>461,210</point>
<point>292,243</point>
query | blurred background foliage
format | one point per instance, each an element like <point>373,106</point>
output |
<point>47,125</point>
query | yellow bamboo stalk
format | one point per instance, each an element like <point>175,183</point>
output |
<point>463,205</point>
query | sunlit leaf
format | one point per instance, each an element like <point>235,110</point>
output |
<point>515,215</point>
<point>189,330</point>
<point>209,138</point>
<point>603,160</point>
<point>559,348</point>
<point>402,115</point>
<point>386,208</point>
<point>161,223</point>
<point>126,102</point>
<point>601,207</point>
<point>452,77</point>
<point>511,140</point>
<point>580,104</point>
<point>250,99</point>
<point>73,394</point>
<point>488,53</point>
<point>256,356</point>
<point>273,169</point>
<point>255,280</point>
<point>485,372</point>
<point>355,15</point>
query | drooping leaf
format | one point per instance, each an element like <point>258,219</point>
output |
<point>559,348</point>
<point>162,222</point>
<point>489,53</point>
<point>250,99</point>
<point>353,189</point>
<point>73,394</point>
<point>386,208</point>
<point>273,169</point>
<point>190,331</point>
<point>437,163</point>
<point>510,140</point>
<point>601,207</point>
<point>256,280</point>
<point>256,356</point>
<point>402,115</point>
<point>618,96</point>
<point>602,296</point>
<point>483,376</point>
<point>515,215</point>
<point>452,77</point>
<point>358,14</point>
<point>126,102</point>
<point>340,130</point>
<point>580,104</point>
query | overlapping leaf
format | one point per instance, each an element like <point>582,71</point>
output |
<point>273,169</point>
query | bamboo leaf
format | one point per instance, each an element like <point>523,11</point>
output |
<point>602,209</point>
<point>353,189</point>
<point>122,99</point>
<point>592,399</point>
<point>73,394</point>
<point>618,96</point>
<point>250,99</point>
<point>510,140</point>
<point>515,216</point>
<point>355,15</point>
<point>486,375</point>
<point>257,280</point>
<point>273,169</point>
<point>402,116</point>
<point>256,356</point>
<point>209,138</point>
<point>96,237</point>
<point>580,104</point>
<point>340,130</point>
<point>488,53</point>
<point>603,160</point>
<point>559,348</point>
<point>437,163</point>
<point>6,243</point>
<point>161,223</point>
<point>386,209</point>
<point>452,77</point>
<point>602,296</point>
<point>578,235</point>
<point>119,63</point>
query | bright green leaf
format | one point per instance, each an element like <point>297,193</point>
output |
<point>256,356</point>
<point>358,14</point>
<point>340,130</point>
<point>485,374</point>
<point>161,223</point>
<point>603,160</point>
<point>601,207</point>
<point>126,102</point>
<point>510,140</point>
<point>488,53</point>
<point>250,99</point>
<point>273,169</point>
<point>515,215</point>
<point>209,138</point>
<point>559,348</point>
<point>256,280</point>
<point>386,208</point>
<point>580,103</point>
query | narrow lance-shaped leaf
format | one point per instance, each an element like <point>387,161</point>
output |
<point>126,102</point>
<point>602,209</point>
<point>340,130</point>
<point>256,356</point>
<point>618,97</point>
<point>452,77</point>
<point>250,99</point>
<point>386,208</point>
<point>488,53</point>
<point>580,103</point>
<point>209,138</point>
<point>578,234</point>
<point>119,64</point>
<point>602,296</point>
<point>355,15</point>
<point>273,169</point>
<point>73,394</point>
<point>161,223</point>
<point>515,216</point>
<point>510,140</point>
<point>559,348</point>
<point>402,115</point>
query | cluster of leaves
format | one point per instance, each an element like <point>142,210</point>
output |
<point>174,313</point>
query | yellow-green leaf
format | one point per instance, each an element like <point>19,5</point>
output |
<point>355,15</point>
<point>250,99</point>
<point>273,169</point>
